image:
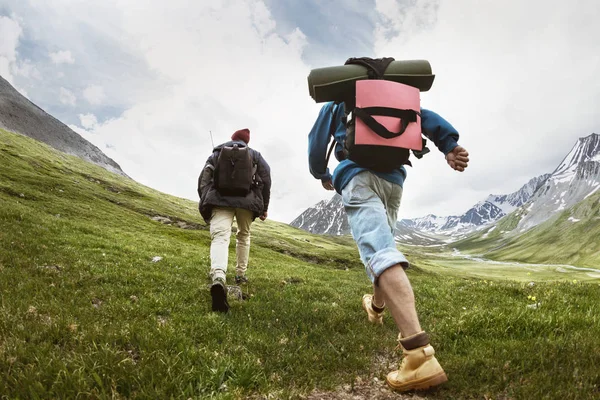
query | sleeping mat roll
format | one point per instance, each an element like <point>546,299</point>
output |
<point>338,83</point>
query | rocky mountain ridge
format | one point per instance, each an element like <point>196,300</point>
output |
<point>19,115</point>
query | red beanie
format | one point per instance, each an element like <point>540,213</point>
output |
<point>242,134</point>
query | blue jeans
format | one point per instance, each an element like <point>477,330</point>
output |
<point>372,204</point>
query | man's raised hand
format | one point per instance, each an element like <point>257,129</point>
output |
<point>328,185</point>
<point>458,158</point>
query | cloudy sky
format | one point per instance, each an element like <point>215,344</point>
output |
<point>147,80</point>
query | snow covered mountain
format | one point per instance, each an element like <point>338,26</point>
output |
<point>508,202</point>
<point>561,221</point>
<point>325,217</point>
<point>328,217</point>
<point>413,236</point>
<point>576,178</point>
<point>480,215</point>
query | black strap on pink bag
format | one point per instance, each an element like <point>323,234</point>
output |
<point>366,115</point>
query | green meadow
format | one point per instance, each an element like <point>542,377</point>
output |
<point>570,237</point>
<point>87,310</point>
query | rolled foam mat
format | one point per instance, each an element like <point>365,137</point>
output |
<point>337,83</point>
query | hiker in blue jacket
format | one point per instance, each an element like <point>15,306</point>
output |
<point>371,200</point>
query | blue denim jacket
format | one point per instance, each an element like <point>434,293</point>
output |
<point>437,129</point>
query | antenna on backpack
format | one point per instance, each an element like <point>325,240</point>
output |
<point>211,139</point>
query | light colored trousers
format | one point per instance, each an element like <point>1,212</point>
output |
<point>220,233</point>
<point>372,204</point>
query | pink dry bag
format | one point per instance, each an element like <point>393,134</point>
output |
<point>387,114</point>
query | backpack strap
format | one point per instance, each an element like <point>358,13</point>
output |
<point>332,128</point>
<point>366,115</point>
<point>420,153</point>
<point>254,163</point>
<point>375,66</point>
<point>333,143</point>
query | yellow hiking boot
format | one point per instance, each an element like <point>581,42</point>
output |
<point>419,369</point>
<point>374,316</point>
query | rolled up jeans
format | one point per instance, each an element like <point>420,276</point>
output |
<point>220,234</point>
<point>372,204</point>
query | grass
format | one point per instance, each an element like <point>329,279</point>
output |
<point>84,312</point>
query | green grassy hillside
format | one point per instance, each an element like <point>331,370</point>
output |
<point>571,238</point>
<point>85,312</point>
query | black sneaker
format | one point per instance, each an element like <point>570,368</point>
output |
<point>240,279</point>
<point>218,292</point>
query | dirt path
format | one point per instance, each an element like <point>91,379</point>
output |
<point>372,387</point>
<point>366,392</point>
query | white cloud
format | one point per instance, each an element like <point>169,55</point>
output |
<point>27,70</point>
<point>5,69</point>
<point>10,32</point>
<point>94,94</point>
<point>62,57</point>
<point>225,68</point>
<point>10,64</point>
<point>516,78</point>
<point>88,121</point>
<point>67,97</point>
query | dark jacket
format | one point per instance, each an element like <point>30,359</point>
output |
<point>256,201</point>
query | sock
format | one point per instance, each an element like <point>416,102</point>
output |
<point>378,310</point>
<point>417,340</point>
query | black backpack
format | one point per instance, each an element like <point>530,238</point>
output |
<point>235,170</point>
<point>376,158</point>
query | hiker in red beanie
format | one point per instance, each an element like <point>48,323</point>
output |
<point>235,182</point>
<point>242,134</point>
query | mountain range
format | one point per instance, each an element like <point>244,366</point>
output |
<point>576,178</point>
<point>483,213</point>
<point>325,217</point>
